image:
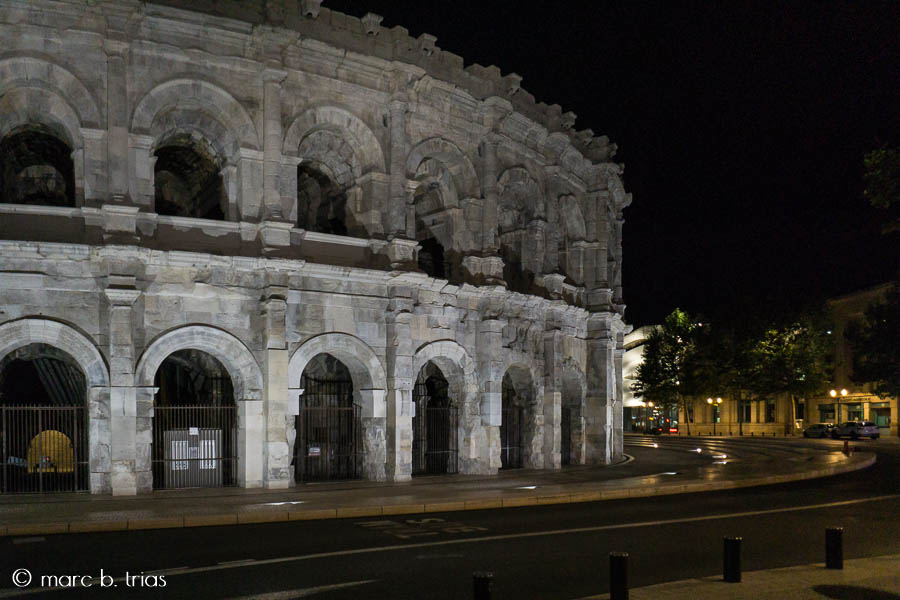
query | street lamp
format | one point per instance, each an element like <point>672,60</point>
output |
<point>837,407</point>
<point>715,403</point>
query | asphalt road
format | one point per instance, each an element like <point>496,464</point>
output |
<point>555,551</point>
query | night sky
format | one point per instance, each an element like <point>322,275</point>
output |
<point>742,127</point>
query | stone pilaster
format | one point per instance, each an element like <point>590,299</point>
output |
<point>490,366</point>
<point>272,138</point>
<point>396,213</point>
<point>117,120</point>
<point>251,435</point>
<point>615,278</point>
<point>552,398</point>
<point>129,435</point>
<point>400,377</point>
<point>279,418</point>
<point>374,421</point>
<point>601,390</point>
<point>490,244</point>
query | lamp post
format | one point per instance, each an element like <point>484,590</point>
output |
<point>715,403</point>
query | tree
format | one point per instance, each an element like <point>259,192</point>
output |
<point>792,360</point>
<point>882,177</point>
<point>664,376</point>
<point>876,344</point>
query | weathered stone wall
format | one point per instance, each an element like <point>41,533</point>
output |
<point>528,211</point>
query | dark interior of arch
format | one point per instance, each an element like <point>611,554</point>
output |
<point>41,375</point>
<point>436,386</point>
<point>517,278</point>
<point>327,383</point>
<point>188,180</point>
<point>36,168</point>
<point>321,203</point>
<point>431,259</point>
<point>193,378</point>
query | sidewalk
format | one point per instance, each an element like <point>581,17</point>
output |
<point>75,513</point>
<point>876,578</point>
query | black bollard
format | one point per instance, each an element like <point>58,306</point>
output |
<point>731,560</point>
<point>483,583</point>
<point>834,547</point>
<point>618,576</point>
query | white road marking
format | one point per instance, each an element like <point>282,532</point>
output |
<point>300,593</point>
<point>29,540</point>
<point>478,540</point>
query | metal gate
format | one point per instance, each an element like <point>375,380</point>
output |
<point>565,441</point>
<point>513,417</point>
<point>329,432</point>
<point>194,446</point>
<point>44,449</point>
<point>435,442</point>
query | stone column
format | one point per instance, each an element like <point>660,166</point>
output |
<point>279,418</point>
<point>117,120</point>
<point>601,384</point>
<point>129,446</point>
<point>272,79</point>
<point>400,377</point>
<point>490,367</point>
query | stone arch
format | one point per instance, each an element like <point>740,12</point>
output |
<point>519,181</point>
<point>16,334</point>
<point>24,332</point>
<point>367,150</point>
<point>246,377</point>
<point>458,367</point>
<point>29,71</point>
<point>195,95</point>
<point>452,158</point>
<point>453,360</point>
<point>369,384</point>
<point>528,397</point>
<point>364,365</point>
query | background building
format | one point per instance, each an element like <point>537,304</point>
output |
<point>259,243</point>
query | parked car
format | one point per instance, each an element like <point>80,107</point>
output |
<point>818,430</point>
<point>856,429</point>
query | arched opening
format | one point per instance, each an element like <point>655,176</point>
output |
<point>36,167</point>
<point>321,203</point>
<point>431,228</point>
<point>194,423</point>
<point>188,179</point>
<point>43,422</point>
<point>435,424</point>
<point>512,425</point>
<point>329,429</point>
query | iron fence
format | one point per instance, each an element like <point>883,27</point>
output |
<point>44,449</point>
<point>511,437</point>
<point>435,437</point>
<point>194,446</point>
<point>329,432</point>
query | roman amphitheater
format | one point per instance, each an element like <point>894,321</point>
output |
<point>263,243</point>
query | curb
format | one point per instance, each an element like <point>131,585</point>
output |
<point>192,520</point>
